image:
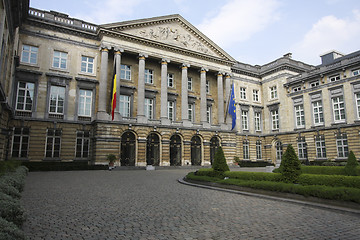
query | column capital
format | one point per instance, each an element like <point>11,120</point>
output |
<point>165,61</point>
<point>228,75</point>
<point>185,65</point>
<point>104,47</point>
<point>204,70</point>
<point>142,56</point>
<point>118,50</point>
<point>220,74</point>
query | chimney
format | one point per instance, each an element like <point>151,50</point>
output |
<point>329,57</point>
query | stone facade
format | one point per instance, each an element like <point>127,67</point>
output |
<point>173,86</point>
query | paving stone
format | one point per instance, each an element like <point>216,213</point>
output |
<point>153,205</point>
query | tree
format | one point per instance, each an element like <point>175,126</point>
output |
<point>351,164</point>
<point>290,166</point>
<point>220,164</point>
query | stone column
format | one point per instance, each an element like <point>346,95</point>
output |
<point>164,93</point>
<point>118,70</point>
<point>203,104</point>
<point>141,90</point>
<point>102,113</point>
<point>184,94</point>
<point>220,98</point>
<point>227,97</point>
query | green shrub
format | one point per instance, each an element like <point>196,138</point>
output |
<point>204,178</point>
<point>9,189</point>
<point>16,179</point>
<point>330,180</point>
<point>12,211</point>
<point>220,161</point>
<point>254,176</point>
<point>209,172</point>
<point>326,170</point>
<point>351,164</point>
<point>290,167</point>
<point>5,197</point>
<point>245,163</point>
<point>9,231</point>
<point>8,166</point>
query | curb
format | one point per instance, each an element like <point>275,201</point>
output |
<point>289,200</point>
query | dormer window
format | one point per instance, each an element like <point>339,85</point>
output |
<point>334,78</point>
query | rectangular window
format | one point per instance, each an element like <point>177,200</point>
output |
<point>29,54</point>
<point>246,150</point>
<point>255,95</point>
<point>60,60</point>
<point>149,108</point>
<point>357,99</point>
<point>242,93</point>
<point>258,150</point>
<point>342,145</point>
<point>57,98</point>
<point>356,72</point>
<point>207,87</point>
<point>191,112</point>
<point>149,76</point>
<point>171,110</point>
<point>25,96</point>
<point>300,117</point>
<point>273,92</point>
<point>208,114</point>
<point>53,143</point>
<point>314,83</point>
<point>124,102</point>
<point>320,146</point>
<point>334,78</point>
<point>170,80</point>
<point>318,112</point>
<point>20,142</point>
<point>85,103</point>
<point>296,89</point>
<point>338,109</point>
<point>275,119</point>
<point>302,148</point>
<point>87,64</point>
<point>244,120</point>
<point>82,144</point>
<point>257,121</point>
<point>189,83</point>
<point>125,72</point>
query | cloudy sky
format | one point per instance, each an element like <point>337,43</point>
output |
<point>251,31</point>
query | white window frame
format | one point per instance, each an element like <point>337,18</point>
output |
<point>24,139</point>
<point>191,116</point>
<point>273,92</point>
<point>318,113</point>
<point>314,83</point>
<point>190,84</point>
<point>356,72</point>
<point>243,93</point>
<point>55,95</point>
<point>207,84</point>
<point>125,72</point>
<point>299,116</point>
<point>246,152</point>
<point>28,93</point>
<point>258,150</point>
<point>125,105</point>
<point>279,150</point>
<point>257,121</point>
<point>338,105</point>
<point>357,102</point>
<point>60,61</point>
<point>342,146</point>
<point>87,64</point>
<point>275,125</point>
<point>208,113</point>
<point>170,80</point>
<point>302,149</point>
<point>85,102</point>
<point>245,120</point>
<point>320,147</point>
<point>84,138</point>
<point>296,88</point>
<point>56,140</point>
<point>149,76</point>
<point>149,108</point>
<point>256,95</point>
<point>171,110</point>
<point>334,78</point>
<point>28,54</point>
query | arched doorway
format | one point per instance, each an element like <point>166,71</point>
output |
<point>153,150</point>
<point>214,145</point>
<point>175,150</point>
<point>127,155</point>
<point>196,151</point>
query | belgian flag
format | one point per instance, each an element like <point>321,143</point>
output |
<point>113,93</point>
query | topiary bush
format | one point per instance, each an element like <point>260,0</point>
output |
<point>351,164</point>
<point>9,231</point>
<point>220,164</point>
<point>290,166</point>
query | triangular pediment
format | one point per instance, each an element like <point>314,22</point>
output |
<point>171,30</point>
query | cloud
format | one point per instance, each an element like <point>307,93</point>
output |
<point>238,20</point>
<point>108,11</point>
<point>329,33</point>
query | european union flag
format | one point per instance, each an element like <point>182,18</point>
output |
<point>232,107</point>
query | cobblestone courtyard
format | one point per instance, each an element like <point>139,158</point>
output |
<point>153,205</point>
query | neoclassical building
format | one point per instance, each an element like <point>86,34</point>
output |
<point>172,93</point>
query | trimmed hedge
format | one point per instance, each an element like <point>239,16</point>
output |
<point>62,166</point>
<point>254,176</point>
<point>330,180</point>
<point>244,163</point>
<point>209,172</point>
<point>9,231</point>
<point>325,170</point>
<point>12,211</point>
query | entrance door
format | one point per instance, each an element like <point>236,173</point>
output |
<point>214,145</point>
<point>196,151</point>
<point>175,150</point>
<point>127,156</point>
<point>153,150</point>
